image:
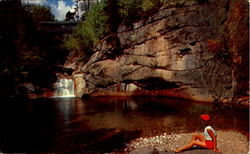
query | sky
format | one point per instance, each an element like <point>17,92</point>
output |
<point>58,7</point>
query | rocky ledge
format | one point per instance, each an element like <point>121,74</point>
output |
<point>229,142</point>
<point>189,49</point>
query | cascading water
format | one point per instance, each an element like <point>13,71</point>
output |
<point>64,88</point>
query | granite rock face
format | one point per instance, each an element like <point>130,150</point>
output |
<point>194,50</point>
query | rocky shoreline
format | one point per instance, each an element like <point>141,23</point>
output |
<point>229,142</point>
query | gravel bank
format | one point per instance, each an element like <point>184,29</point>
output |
<point>229,142</point>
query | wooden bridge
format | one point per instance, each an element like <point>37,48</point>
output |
<point>57,27</point>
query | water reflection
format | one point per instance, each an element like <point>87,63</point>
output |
<point>129,105</point>
<point>103,124</point>
<point>66,108</point>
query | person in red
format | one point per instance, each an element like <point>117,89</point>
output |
<point>206,140</point>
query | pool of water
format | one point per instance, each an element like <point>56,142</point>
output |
<point>104,124</point>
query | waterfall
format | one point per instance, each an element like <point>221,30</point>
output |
<point>64,88</point>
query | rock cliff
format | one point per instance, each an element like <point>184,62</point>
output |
<point>191,49</point>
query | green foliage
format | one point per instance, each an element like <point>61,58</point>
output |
<point>72,43</point>
<point>39,12</point>
<point>128,8</point>
<point>88,33</point>
<point>132,10</point>
<point>96,25</point>
<point>103,18</point>
<point>147,5</point>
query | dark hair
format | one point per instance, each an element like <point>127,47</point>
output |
<point>205,122</point>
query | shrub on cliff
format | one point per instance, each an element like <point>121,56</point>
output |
<point>132,10</point>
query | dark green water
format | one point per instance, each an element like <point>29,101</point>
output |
<point>104,124</point>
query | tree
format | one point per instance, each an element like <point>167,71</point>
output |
<point>39,12</point>
<point>70,16</point>
<point>114,18</point>
<point>89,32</point>
<point>23,48</point>
<point>83,6</point>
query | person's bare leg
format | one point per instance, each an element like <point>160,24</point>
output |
<point>190,145</point>
<point>198,136</point>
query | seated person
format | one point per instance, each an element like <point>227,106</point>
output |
<point>207,140</point>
